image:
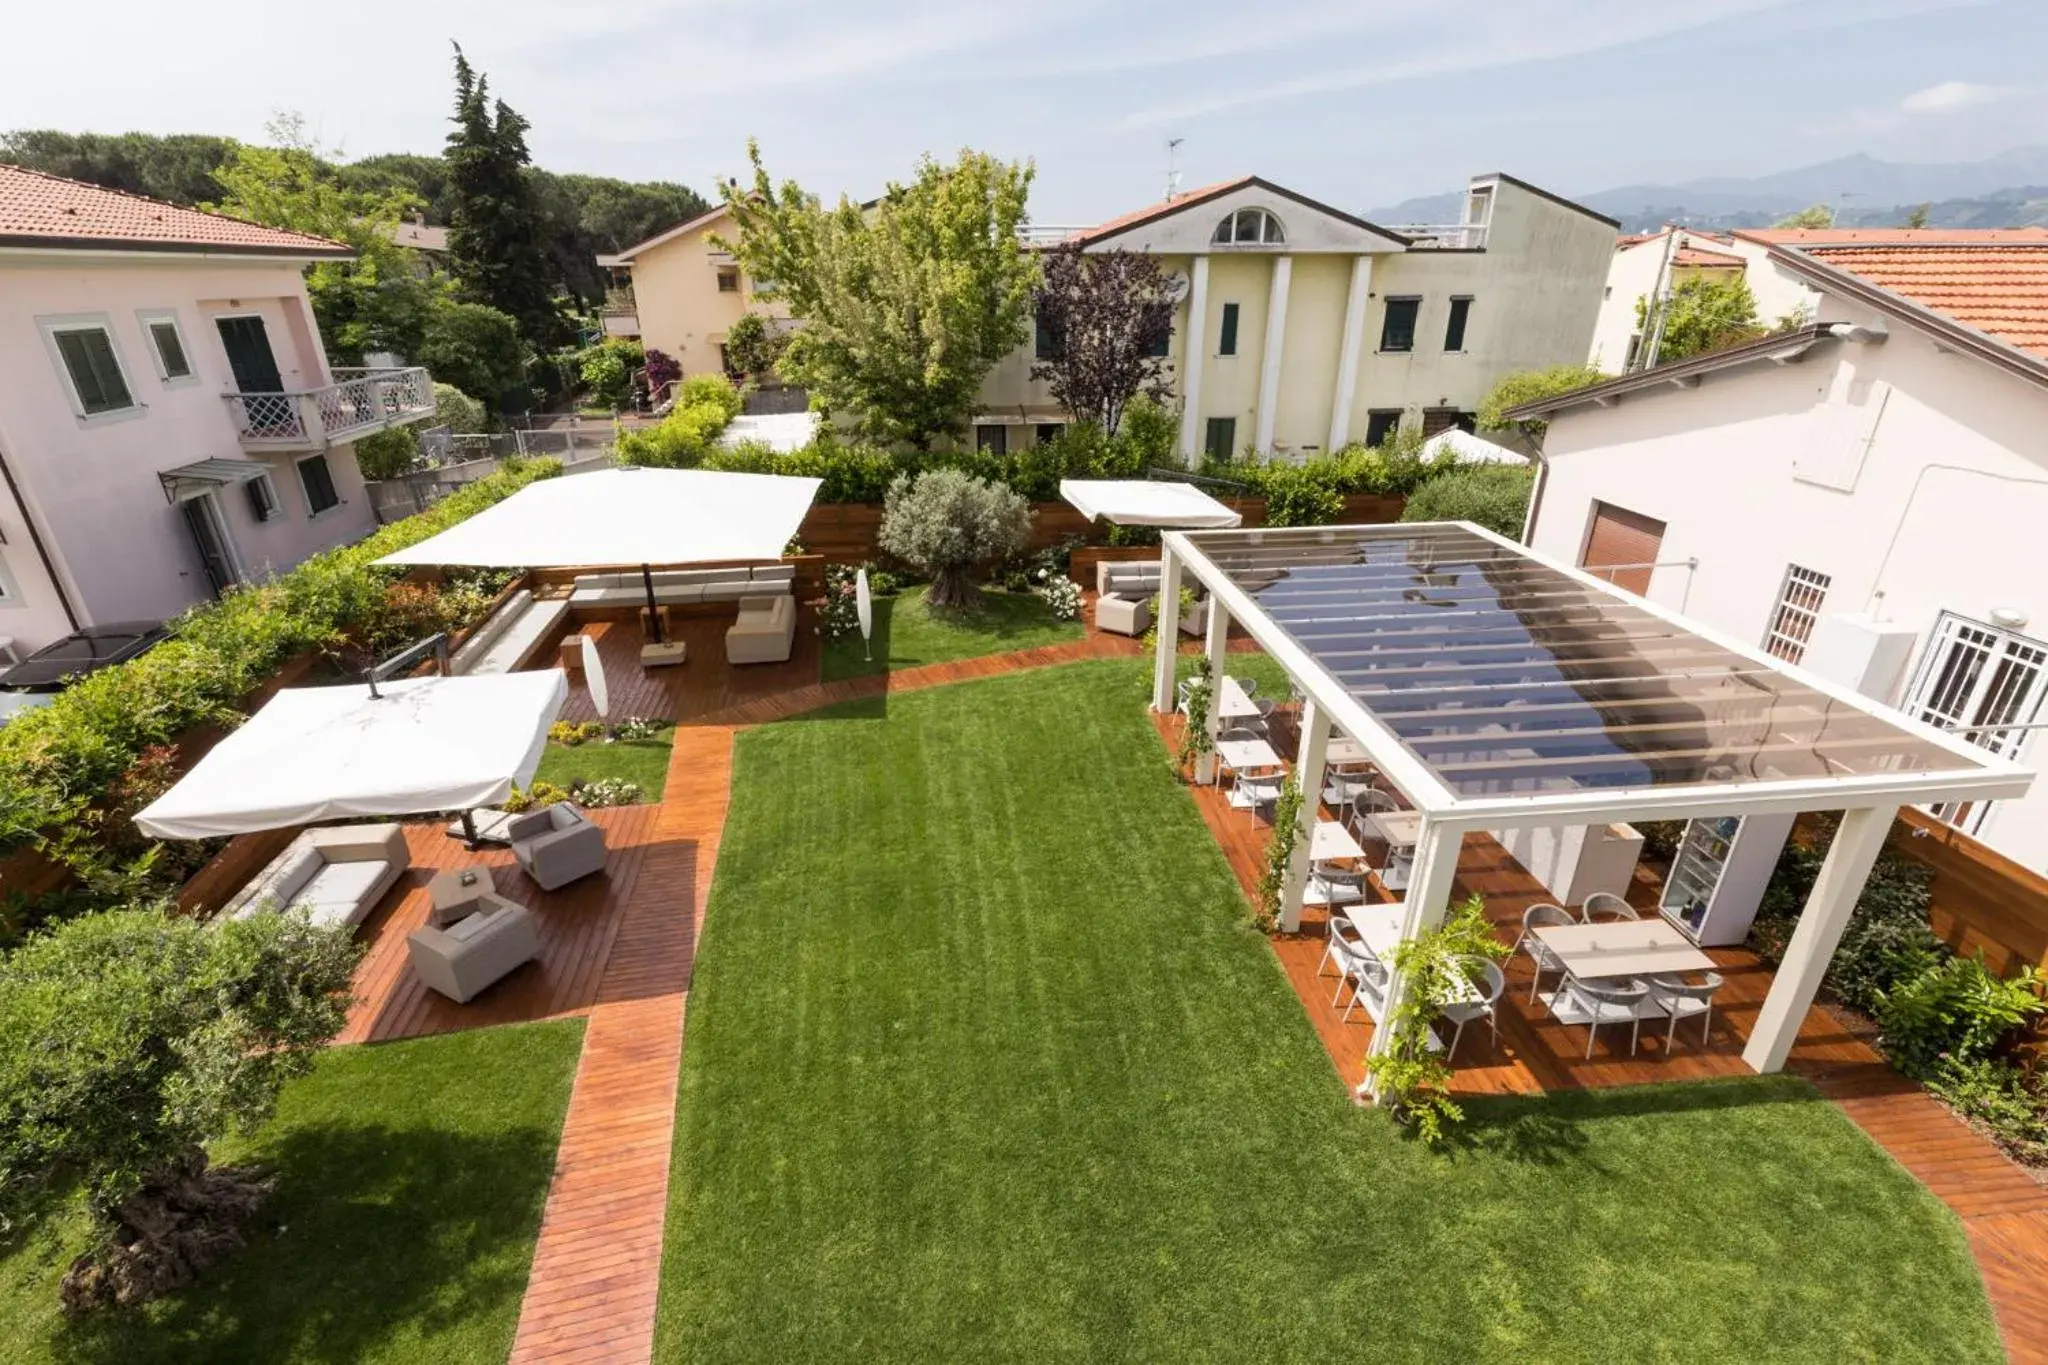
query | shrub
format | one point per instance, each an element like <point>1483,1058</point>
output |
<point>661,369</point>
<point>1526,386</point>
<point>477,349</point>
<point>752,347</point>
<point>2009,1102</point>
<point>1303,495</point>
<point>388,454</point>
<point>1495,496</point>
<point>688,437</point>
<point>132,1041</point>
<point>606,370</point>
<point>946,521</point>
<point>1956,1011</point>
<point>458,411</point>
<point>1888,938</point>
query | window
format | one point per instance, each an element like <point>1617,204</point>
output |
<point>1799,601</point>
<point>262,495</point>
<point>167,343</point>
<point>1454,330</point>
<point>728,280</point>
<point>1975,679</point>
<point>1397,332</point>
<point>1048,432</point>
<point>1381,423</point>
<point>10,596</point>
<point>1635,348</point>
<point>1249,227</point>
<point>1607,293</point>
<point>1226,340</point>
<point>97,384</point>
<point>1045,344</point>
<point>1435,420</point>
<point>992,438</point>
<point>1161,341</point>
<point>318,481</point>
<point>1219,441</point>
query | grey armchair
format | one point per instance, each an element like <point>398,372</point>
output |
<point>556,845</point>
<point>471,954</point>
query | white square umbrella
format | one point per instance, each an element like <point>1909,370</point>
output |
<point>1146,502</point>
<point>327,753</point>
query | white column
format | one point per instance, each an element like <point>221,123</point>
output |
<point>1168,631</point>
<point>1217,643</point>
<point>1308,770</point>
<point>1276,337</point>
<point>1427,897</point>
<point>1353,348</point>
<point>1857,843</point>
<point>1193,344</point>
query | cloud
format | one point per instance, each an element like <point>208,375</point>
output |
<point>1948,95</point>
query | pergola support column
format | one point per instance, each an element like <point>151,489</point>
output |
<point>1428,896</point>
<point>1308,771</point>
<point>1858,841</point>
<point>1168,627</point>
<point>1216,644</point>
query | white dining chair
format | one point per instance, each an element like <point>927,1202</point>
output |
<point>1681,997</point>
<point>1610,1000</point>
<point>1606,907</point>
<point>1541,916</point>
<point>1490,985</point>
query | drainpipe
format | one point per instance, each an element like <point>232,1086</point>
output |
<point>1536,493</point>
<point>35,538</point>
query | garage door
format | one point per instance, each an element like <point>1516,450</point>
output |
<point>1619,536</point>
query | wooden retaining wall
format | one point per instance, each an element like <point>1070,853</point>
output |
<point>1983,900</point>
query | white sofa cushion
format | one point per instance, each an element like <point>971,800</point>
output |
<point>336,893</point>
<point>293,875</point>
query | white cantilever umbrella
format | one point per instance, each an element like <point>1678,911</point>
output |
<point>326,753</point>
<point>1146,502</point>
<point>864,611</point>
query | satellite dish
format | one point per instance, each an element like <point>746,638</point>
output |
<point>1176,287</point>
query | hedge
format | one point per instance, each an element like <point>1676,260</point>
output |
<point>705,405</point>
<point>59,761</point>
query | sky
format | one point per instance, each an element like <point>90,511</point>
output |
<point>1357,102</point>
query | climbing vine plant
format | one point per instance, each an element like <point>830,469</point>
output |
<point>1279,853</point>
<point>1411,1076</point>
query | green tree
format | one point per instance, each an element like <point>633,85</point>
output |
<point>1495,496</point>
<point>1916,217</point>
<point>479,350</point>
<point>753,348</point>
<point>1526,386</point>
<point>131,1041</point>
<point>376,302</point>
<point>1813,216</point>
<point>946,521</point>
<point>1106,318</point>
<point>178,167</point>
<point>1703,313</point>
<point>904,305</point>
<point>497,239</point>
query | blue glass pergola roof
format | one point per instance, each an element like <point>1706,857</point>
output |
<point>1505,675</point>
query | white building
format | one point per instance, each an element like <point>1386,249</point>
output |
<point>1302,328</point>
<point>1866,495</point>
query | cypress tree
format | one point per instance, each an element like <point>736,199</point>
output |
<point>497,238</point>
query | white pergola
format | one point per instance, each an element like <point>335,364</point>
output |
<point>1499,689</point>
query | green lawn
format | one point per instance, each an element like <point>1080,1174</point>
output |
<point>641,761</point>
<point>983,1067</point>
<point>412,1178</point>
<point>909,632</point>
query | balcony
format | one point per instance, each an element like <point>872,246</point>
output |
<point>360,402</point>
<point>1445,236</point>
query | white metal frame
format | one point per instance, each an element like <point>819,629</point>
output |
<point>1992,709</point>
<point>148,319</point>
<point>1801,596</point>
<point>1871,799</point>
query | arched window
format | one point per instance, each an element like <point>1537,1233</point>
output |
<point>1249,227</point>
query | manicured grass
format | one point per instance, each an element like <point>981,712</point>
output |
<point>411,1182</point>
<point>640,761</point>
<point>982,1066</point>
<point>909,631</point>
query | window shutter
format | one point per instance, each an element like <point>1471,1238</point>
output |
<point>89,356</point>
<point>170,350</point>
<point>1226,342</point>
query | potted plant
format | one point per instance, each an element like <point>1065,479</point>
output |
<point>1410,1077</point>
<point>1197,745</point>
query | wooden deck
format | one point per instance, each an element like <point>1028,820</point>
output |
<point>705,683</point>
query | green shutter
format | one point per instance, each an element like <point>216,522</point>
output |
<point>318,482</point>
<point>170,350</point>
<point>1226,344</point>
<point>89,356</point>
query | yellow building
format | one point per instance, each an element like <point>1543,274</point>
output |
<point>1318,329</point>
<point>688,291</point>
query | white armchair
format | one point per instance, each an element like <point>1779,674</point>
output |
<point>556,845</point>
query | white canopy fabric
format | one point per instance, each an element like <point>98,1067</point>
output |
<point>326,753</point>
<point>626,516</point>
<point>1470,448</point>
<point>781,432</point>
<point>1146,502</point>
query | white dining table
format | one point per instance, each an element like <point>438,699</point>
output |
<point>1241,755</point>
<point>1345,749</point>
<point>1233,702</point>
<point>1639,947</point>
<point>1379,929</point>
<point>1331,841</point>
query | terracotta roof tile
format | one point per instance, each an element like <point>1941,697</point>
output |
<point>1998,288</point>
<point>1902,235</point>
<point>1150,211</point>
<point>48,210</point>
<point>1700,256</point>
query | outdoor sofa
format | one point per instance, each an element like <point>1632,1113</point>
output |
<point>682,587</point>
<point>463,958</point>
<point>338,873</point>
<point>556,844</point>
<point>1123,590</point>
<point>765,631</point>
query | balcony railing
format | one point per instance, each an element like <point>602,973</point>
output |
<point>358,403</point>
<point>1446,236</point>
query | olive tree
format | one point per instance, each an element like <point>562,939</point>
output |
<point>131,1041</point>
<point>946,521</point>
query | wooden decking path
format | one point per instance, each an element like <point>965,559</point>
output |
<point>596,1274</point>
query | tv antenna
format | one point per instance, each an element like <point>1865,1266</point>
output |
<point>1173,166</point>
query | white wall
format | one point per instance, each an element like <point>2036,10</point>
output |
<point>1917,480</point>
<point>1632,274</point>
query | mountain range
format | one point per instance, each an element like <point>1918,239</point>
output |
<point>2006,190</point>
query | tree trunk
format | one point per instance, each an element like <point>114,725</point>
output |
<point>952,588</point>
<point>183,1219</point>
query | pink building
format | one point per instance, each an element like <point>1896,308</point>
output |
<point>169,425</point>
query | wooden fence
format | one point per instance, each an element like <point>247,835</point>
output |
<point>1982,900</point>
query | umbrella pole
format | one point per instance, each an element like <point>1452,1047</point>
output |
<point>469,830</point>
<point>653,610</point>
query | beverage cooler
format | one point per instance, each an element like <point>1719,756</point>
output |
<point>1719,873</point>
